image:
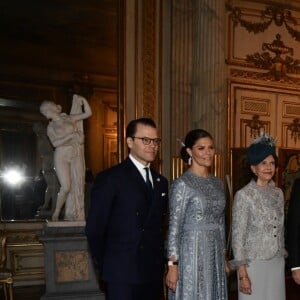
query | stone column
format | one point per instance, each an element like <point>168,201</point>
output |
<point>198,67</point>
<point>181,71</point>
<point>209,87</point>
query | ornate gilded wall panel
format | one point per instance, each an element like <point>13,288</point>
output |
<point>251,111</point>
<point>290,114</point>
<point>101,130</point>
<point>149,57</point>
<point>254,109</point>
<point>290,109</point>
<point>141,49</point>
<point>25,253</point>
<point>245,131</point>
<point>260,23</point>
<point>255,106</point>
<point>263,51</point>
<point>27,260</point>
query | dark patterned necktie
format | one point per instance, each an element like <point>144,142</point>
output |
<point>148,182</point>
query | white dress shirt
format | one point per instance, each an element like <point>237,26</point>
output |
<point>141,168</point>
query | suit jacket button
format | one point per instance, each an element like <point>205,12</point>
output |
<point>137,213</point>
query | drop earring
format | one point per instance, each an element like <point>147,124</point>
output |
<point>190,161</point>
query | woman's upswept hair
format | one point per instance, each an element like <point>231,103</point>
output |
<point>190,140</point>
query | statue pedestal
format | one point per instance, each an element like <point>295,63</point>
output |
<point>69,271</point>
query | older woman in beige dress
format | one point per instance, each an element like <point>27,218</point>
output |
<point>66,135</point>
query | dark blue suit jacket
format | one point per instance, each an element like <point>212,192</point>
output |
<point>125,224</point>
<point>293,226</point>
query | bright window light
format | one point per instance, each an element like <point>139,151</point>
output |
<point>13,176</point>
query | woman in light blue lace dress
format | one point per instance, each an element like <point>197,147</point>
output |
<point>196,239</point>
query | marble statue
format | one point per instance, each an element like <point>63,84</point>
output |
<point>66,135</point>
<point>46,152</point>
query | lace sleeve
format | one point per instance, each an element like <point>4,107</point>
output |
<point>240,215</point>
<point>177,211</point>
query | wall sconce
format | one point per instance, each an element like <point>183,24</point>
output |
<point>295,129</point>
<point>255,126</point>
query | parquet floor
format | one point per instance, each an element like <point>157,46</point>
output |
<point>35,292</point>
<point>292,291</point>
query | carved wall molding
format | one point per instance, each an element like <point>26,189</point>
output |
<point>255,126</point>
<point>280,14</point>
<point>263,78</point>
<point>278,66</point>
<point>149,57</point>
<point>23,237</point>
<point>294,129</point>
<point>239,35</point>
<point>276,107</point>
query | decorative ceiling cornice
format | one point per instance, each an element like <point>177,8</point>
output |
<point>277,13</point>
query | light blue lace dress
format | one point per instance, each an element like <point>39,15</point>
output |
<point>197,237</point>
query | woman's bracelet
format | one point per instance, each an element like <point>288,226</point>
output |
<point>172,263</point>
<point>243,277</point>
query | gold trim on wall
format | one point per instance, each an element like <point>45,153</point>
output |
<point>149,58</point>
<point>110,150</point>
<point>25,253</point>
<point>27,260</point>
<point>179,166</point>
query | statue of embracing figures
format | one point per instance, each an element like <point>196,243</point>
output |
<point>66,135</point>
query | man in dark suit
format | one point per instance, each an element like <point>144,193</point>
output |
<point>124,225</point>
<point>293,231</point>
